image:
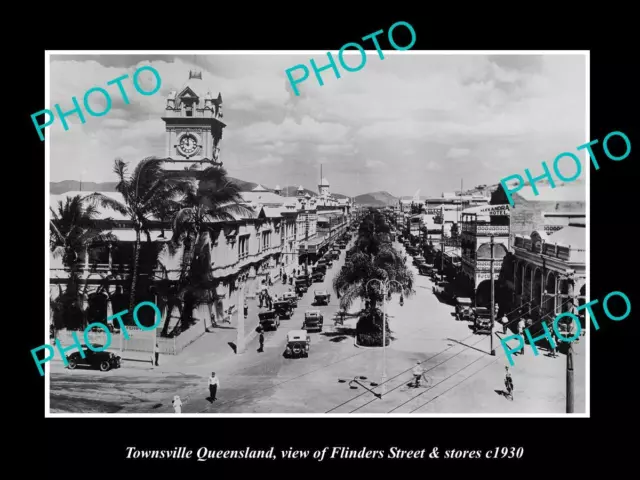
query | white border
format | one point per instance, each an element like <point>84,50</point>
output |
<point>47,80</point>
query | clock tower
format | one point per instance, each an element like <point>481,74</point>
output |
<point>193,121</point>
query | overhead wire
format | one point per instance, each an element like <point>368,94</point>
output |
<point>453,356</point>
<point>424,361</point>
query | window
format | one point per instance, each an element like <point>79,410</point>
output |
<point>243,247</point>
<point>266,240</point>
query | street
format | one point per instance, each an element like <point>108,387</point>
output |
<point>463,377</point>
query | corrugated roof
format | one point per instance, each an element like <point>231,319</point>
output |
<point>263,198</point>
<point>574,236</point>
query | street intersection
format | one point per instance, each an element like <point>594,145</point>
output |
<point>463,376</point>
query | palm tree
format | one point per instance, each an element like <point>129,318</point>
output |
<point>142,192</point>
<point>213,199</point>
<point>372,259</point>
<point>73,229</point>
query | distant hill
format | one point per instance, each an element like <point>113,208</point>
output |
<point>58,188</point>
<point>376,199</point>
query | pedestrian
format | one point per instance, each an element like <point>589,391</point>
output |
<point>246,309</point>
<point>261,339</point>
<point>157,355</point>
<point>177,404</point>
<point>505,324</point>
<point>284,278</point>
<point>214,383</point>
<point>521,327</point>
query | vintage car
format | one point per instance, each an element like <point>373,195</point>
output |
<point>291,297</point>
<point>321,297</point>
<point>304,277</point>
<point>425,269</point>
<point>105,360</point>
<point>342,245</point>
<point>298,343</point>
<point>269,320</point>
<point>319,267</point>
<point>419,260</point>
<point>482,320</point>
<point>283,309</point>
<point>313,320</point>
<point>464,308</point>
<point>328,261</point>
<point>444,290</point>
<point>318,276</point>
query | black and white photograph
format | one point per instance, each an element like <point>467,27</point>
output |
<point>223,241</point>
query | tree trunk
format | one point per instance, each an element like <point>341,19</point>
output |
<point>134,278</point>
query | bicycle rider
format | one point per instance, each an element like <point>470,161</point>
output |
<point>417,374</point>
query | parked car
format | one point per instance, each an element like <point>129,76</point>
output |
<point>482,320</point>
<point>269,320</point>
<point>419,260</point>
<point>283,309</point>
<point>444,290</point>
<point>313,320</point>
<point>464,308</point>
<point>291,298</point>
<point>105,360</point>
<point>425,269</point>
<point>298,343</point>
<point>321,297</point>
<point>318,276</point>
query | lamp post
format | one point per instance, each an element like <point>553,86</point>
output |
<point>384,285</point>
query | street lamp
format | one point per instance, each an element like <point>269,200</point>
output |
<point>384,285</point>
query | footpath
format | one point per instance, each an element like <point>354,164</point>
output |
<point>219,343</point>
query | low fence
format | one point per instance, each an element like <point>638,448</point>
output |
<point>139,340</point>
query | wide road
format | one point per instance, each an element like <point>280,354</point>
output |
<point>464,377</point>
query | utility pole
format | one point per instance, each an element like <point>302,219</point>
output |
<point>570,291</point>
<point>442,247</point>
<point>240,326</point>
<point>493,301</point>
<point>384,339</point>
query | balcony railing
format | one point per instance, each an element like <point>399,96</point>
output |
<point>483,229</point>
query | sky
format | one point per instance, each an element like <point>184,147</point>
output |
<point>406,123</point>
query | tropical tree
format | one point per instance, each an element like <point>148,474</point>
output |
<point>73,229</point>
<point>213,199</point>
<point>372,259</point>
<point>143,191</point>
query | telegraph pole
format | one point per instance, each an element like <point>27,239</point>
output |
<point>493,301</point>
<point>570,353</point>
<point>442,247</point>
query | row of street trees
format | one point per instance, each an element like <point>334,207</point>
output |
<point>372,258</point>
<point>148,193</point>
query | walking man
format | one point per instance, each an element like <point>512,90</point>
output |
<point>261,339</point>
<point>214,383</point>
<point>157,355</point>
<point>177,404</point>
<point>246,309</point>
<point>505,323</point>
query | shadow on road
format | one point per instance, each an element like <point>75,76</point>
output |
<point>468,346</point>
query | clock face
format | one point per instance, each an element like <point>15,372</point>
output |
<point>188,144</point>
